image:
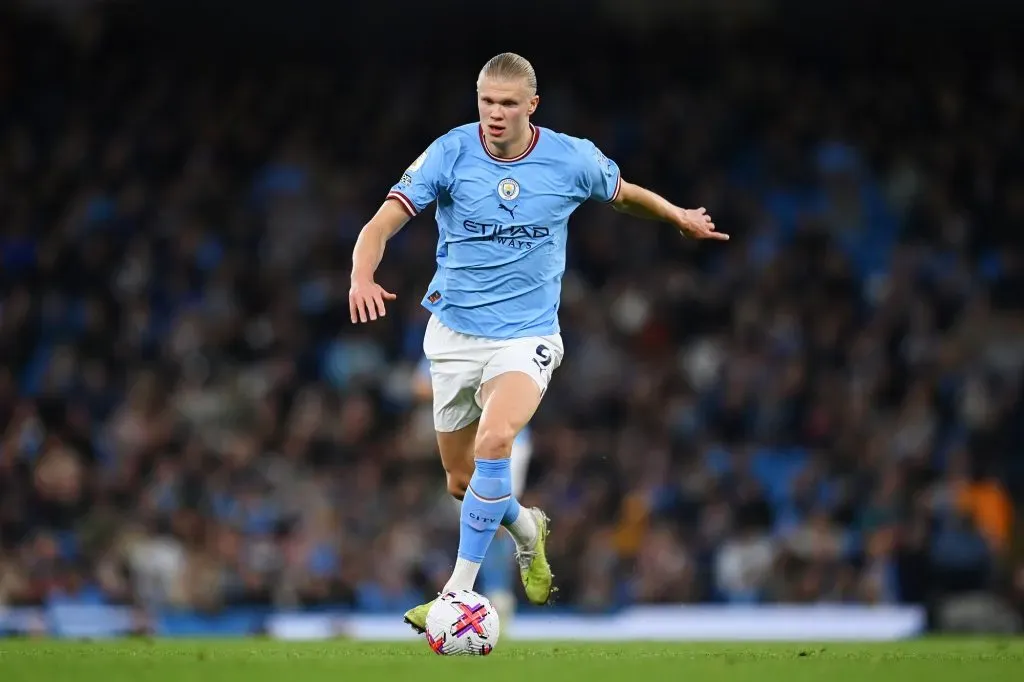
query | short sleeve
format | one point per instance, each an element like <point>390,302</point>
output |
<point>600,178</point>
<point>423,179</point>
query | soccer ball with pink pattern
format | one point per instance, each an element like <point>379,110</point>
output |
<point>462,623</point>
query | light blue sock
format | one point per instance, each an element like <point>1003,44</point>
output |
<point>484,507</point>
<point>511,512</point>
<point>496,570</point>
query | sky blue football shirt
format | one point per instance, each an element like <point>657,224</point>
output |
<point>502,226</point>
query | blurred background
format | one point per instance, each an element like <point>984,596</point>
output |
<point>828,409</point>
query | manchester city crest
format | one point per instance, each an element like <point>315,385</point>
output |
<point>508,189</point>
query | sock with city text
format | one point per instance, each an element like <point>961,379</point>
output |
<point>483,508</point>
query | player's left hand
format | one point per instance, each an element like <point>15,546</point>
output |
<point>697,224</point>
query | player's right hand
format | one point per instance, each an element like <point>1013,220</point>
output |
<point>366,300</point>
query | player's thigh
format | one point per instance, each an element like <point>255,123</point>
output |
<point>514,382</point>
<point>510,400</point>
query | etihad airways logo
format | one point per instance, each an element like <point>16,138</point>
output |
<point>512,236</point>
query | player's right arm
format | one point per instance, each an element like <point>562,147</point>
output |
<point>418,187</point>
<point>366,297</point>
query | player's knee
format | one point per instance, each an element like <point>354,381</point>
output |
<point>458,482</point>
<point>494,442</point>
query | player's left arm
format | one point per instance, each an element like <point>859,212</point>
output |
<point>643,203</point>
<point>601,179</point>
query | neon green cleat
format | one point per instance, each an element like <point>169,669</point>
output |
<point>417,616</point>
<point>533,564</point>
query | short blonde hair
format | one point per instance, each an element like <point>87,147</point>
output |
<point>509,66</point>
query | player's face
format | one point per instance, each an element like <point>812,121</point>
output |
<point>505,109</point>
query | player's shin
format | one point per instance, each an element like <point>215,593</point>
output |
<point>487,499</point>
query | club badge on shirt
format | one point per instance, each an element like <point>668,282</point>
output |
<point>508,189</point>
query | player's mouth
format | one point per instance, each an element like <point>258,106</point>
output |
<point>497,131</point>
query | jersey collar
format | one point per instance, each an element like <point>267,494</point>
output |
<point>533,143</point>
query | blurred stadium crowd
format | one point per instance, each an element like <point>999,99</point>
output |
<point>828,408</point>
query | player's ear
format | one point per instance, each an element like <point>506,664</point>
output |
<point>534,101</point>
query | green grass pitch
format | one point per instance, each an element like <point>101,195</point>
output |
<point>255,660</point>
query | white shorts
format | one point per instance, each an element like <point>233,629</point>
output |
<point>460,364</point>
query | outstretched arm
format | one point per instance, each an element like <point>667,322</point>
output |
<point>643,203</point>
<point>366,297</point>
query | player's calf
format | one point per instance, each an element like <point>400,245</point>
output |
<point>458,483</point>
<point>457,457</point>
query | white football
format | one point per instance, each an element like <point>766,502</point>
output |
<point>462,623</point>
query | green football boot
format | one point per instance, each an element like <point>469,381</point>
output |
<point>533,563</point>
<point>417,616</point>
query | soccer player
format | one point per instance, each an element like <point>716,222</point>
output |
<point>504,189</point>
<point>496,567</point>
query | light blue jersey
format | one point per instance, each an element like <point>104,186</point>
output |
<point>502,226</point>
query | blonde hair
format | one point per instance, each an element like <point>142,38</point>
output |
<point>509,66</point>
